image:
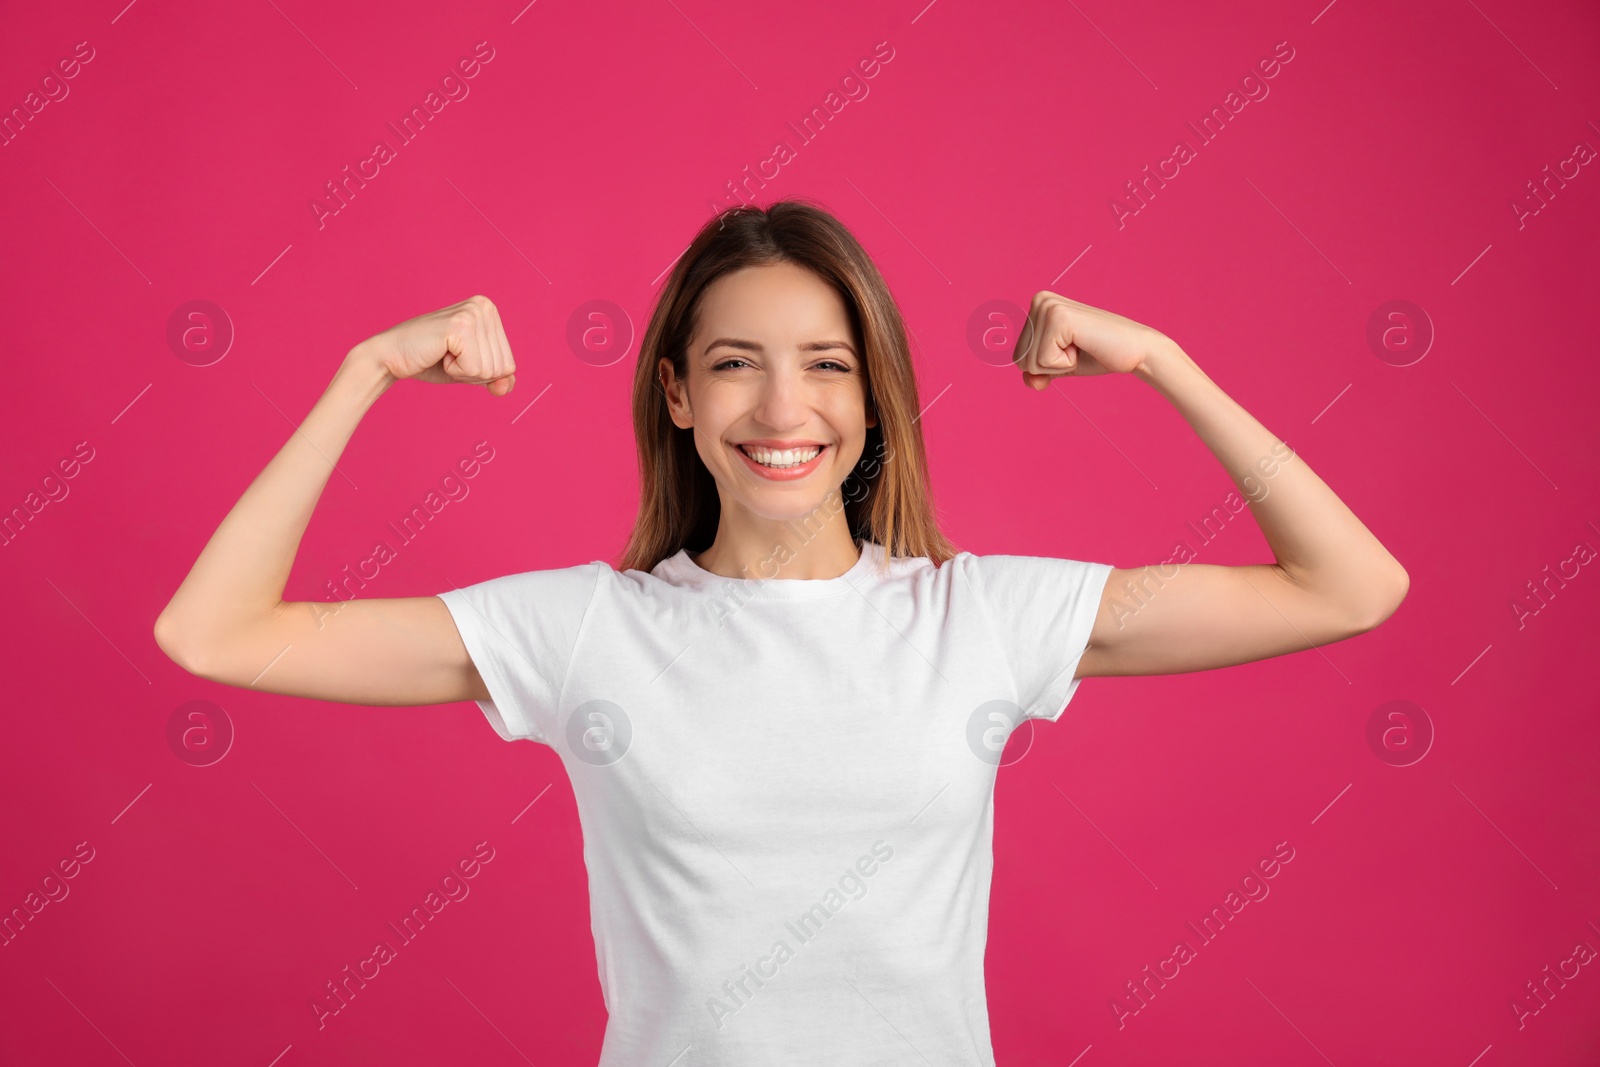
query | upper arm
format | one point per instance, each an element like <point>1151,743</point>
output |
<point>397,652</point>
<point>1208,616</point>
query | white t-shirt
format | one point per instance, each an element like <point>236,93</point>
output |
<point>785,787</point>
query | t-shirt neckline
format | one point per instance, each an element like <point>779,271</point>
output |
<point>686,571</point>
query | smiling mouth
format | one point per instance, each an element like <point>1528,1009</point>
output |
<point>782,459</point>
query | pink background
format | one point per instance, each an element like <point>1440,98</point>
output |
<point>1422,899</point>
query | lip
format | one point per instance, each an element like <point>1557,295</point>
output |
<point>777,443</point>
<point>787,474</point>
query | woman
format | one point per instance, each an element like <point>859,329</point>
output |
<point>782,716</point>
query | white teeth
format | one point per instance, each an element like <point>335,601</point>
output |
<point>786,457</point>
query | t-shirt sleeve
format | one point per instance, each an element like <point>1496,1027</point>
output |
<point>1042,610</point>
<point>521,631</point>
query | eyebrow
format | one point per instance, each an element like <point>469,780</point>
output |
<point>756,346</point>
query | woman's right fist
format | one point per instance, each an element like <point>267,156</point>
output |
<point>461,343</point>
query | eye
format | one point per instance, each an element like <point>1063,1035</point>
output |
<point>835,363</point>
<point>727,363</point>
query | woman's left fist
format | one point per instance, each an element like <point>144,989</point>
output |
<point>1064,337</point>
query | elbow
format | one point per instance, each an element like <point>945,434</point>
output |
<point>1395,588</point>
<point>170,639</point>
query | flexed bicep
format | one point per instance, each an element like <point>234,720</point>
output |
<point>1179,617</point>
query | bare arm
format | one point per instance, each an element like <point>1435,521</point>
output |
<point>228,621</point>
<point>1331,578</point>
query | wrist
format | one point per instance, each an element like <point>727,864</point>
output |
<point>363,375</point>
<point>1163,363</point>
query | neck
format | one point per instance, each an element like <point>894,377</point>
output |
<point>781,548</point>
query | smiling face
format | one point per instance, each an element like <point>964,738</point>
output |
<point>776,392</point>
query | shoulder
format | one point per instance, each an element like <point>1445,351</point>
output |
<point>536,587</point>
<point>1008,576</point>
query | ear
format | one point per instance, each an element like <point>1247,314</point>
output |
<point>677,395</point>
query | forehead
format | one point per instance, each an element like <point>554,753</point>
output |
<point>779,301</point>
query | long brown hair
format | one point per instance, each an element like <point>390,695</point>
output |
<point>886,498</point>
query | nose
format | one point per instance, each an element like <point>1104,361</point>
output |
<point>783,403</point>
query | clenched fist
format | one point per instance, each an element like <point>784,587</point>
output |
<point>1063,337</point>
<point>461,343</point>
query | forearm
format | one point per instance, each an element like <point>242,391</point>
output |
<point>1318,542</point>
<point>239,577</point>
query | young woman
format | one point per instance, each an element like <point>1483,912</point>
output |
<point>782,715</point>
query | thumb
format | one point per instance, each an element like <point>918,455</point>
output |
<point>501,386</point>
